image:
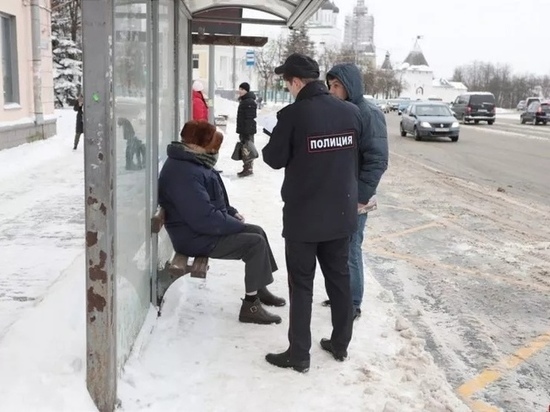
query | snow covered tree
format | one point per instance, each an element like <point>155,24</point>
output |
<point>67,71</point>
<point>66,50</point>
<point>299,42</point>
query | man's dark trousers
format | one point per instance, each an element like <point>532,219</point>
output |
<point>252,247</point>
<point>301,261</point>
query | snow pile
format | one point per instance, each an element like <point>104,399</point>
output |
<point>196,356</point>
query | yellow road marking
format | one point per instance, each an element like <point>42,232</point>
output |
<point>495,372</point>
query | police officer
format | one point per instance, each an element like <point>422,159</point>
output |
<point>316,141</point>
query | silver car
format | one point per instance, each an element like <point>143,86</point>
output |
<point>429,119</point>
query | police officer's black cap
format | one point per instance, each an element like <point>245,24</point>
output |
<point>299,65</point>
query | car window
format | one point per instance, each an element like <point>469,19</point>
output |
<point>482,98</point>
<point>533,106</point>
<point>545,106</point>
<point>432,110</point>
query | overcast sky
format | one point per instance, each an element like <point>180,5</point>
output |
<point>457,32</point>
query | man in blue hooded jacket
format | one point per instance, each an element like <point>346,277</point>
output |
<point>345,82</point>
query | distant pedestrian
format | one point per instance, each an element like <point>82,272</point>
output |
<point>134,146</point>
<point>200,107</point>
<point>78,108</point>
<point>246,128</point>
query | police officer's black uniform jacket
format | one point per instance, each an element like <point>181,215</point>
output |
<point>315,140</point>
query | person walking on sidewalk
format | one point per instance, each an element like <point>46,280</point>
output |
<point>246,127</point>
<point>344,81</point>
<point>316,140</point>
<point>79,129</point>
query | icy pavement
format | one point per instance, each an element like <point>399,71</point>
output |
<point>197,356</point>
<point>41,217</point>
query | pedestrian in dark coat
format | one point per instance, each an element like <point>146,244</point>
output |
<point>345,82</point>
<point>246,126</point>
<point>79,129</point>
<point>316,140</point>
<point>201,222</point>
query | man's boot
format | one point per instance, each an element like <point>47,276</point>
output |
<point>269,299</point>
<point>326,344</point>
<point>254,312</point>
<point>282,360</point>
<point>247,170</point>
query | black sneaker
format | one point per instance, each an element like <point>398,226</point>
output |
<point>326,303</point>
<point>356,313</point>
<point>326,344</point>
<point>282,360</point>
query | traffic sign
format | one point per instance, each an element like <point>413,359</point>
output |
<point>250,58</point>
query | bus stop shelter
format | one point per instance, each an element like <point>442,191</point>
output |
<point>136,84</point>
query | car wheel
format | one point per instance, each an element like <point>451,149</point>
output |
<point>535,122</point>
<point>464,120</point>
<point>417,136</point>
<point>523,120</point>
<point>544,123</point>
<point>403,132</point>
<point>476,121</point>
<point>454,139</point>
<point>490,122</point>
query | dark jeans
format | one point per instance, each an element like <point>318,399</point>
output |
<point>252,247</point>
<point>301,261</point>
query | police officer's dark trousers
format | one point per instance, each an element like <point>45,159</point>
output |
<point>301,261</point>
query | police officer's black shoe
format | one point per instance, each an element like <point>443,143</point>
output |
<point>356,313</point>
<point>282,360</point>
<point>254,312</point>
<point>326,344</point>
<point>326,303</point>
<point>269,299</point>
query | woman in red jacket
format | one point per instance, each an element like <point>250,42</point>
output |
<point>200,108</point>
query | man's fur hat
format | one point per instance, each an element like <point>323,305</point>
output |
<point>203,134</point>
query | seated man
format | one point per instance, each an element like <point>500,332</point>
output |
<point>200,221</point>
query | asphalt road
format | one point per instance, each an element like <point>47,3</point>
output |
<point>469,264</point>
<point>506,154</point>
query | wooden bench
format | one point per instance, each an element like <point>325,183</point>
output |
<point>179,264</point>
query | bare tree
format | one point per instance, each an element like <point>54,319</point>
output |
<point>267,58</point>
<point>498,79</point>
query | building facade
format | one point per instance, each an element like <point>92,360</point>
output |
<point>323,28</point>
<point>359,33</point>
<point>27,100</point>
<point>419,81</point>
<point>230,68</point>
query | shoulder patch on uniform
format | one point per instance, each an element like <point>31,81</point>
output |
<point>326,143</point>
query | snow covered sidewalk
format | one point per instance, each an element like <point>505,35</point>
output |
<point>196,356</point>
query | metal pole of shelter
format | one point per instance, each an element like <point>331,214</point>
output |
<point>99,158</point>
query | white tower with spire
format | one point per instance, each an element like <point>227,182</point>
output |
<point>416,74</point>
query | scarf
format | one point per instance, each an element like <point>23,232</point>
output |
<point>207,159</point>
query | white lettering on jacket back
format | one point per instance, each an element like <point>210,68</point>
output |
<point>327,143</point>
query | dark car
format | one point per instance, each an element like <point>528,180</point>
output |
<point>403,104</point>
<point>429,119</point>
<point>536,113</point>
<point>475,107</point>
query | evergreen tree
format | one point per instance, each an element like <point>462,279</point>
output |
<point>66,50</point>
<point>299,42</point>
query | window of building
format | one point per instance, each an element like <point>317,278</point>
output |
<point>195,61</point>
<point>8,46</point>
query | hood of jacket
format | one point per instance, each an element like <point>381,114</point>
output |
<point>350,76</point>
